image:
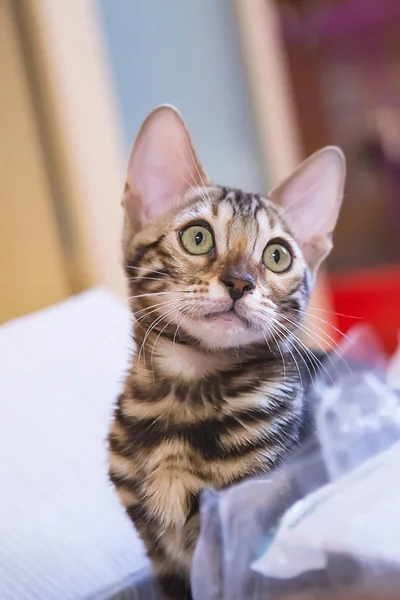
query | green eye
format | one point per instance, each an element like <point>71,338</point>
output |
<point>277,258</point>
<point>197,239</point>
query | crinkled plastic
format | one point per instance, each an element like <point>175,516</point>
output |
<point>326,520</point>
<point>349,515</point>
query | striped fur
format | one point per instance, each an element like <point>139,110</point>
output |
<point>219,282</point>
<point>196,411</point>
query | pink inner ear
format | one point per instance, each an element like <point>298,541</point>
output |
<point>163,164</point>
<point>160,190</point>
<point>312,196</point>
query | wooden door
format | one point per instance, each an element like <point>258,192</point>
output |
<point>32,265</point>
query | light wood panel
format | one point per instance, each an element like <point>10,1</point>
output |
<point>32,267</point>
<point>77,95</point>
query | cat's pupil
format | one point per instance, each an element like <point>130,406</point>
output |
<point>276,255</point>
<point>198,238</point>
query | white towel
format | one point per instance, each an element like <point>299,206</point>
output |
<point>63,534</point>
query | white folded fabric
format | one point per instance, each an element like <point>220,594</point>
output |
<point>63,534</point>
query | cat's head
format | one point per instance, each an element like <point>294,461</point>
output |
<point>223,266</point>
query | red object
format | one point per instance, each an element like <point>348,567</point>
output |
<point>373,296</point>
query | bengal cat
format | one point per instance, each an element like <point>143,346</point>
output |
<point>219,282</point>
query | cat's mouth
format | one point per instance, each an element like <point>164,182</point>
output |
<point>229,315</point>
<point>221,313</point>
<point>224,327</point>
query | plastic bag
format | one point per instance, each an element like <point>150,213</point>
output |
<point>351,515</point>
<point>248,549</point>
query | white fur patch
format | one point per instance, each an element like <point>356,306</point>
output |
<point>185,362</point>
<point>222,332</point>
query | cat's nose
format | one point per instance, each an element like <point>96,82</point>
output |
<point>237,286</point>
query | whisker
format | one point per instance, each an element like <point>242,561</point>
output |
<point>283,359</point>
<point>199,174</point>
<point>314,360</point>
<point>306,329</point>
<point>311,354</point>
<point>322,335</point>
<point>138,278</point>
<point>292,355</point>
<point>195,189</point>
<point>180,323</point>
<point>137,312</point>
<point>323,321</point>
<point>331,312</point>
<point>177,310</point>
<point>312,333</point>
<point>184,315</point>
<point>146,269</point>
<point>266,338</point>
<point>196,167</point>
<point>150,329</point>
<point>281,353</point>
<point>205,195</point>
<point>192,187</point>
<point>199,191</point>
<point>314,375</point>
<point>157,294</point>
<point>155,309</point>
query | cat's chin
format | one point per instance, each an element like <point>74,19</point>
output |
<point>226,330</point>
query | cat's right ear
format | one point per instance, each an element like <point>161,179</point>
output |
<point>310,200</point>
<point>162,167</point>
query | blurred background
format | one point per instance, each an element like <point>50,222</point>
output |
<point>262,84</point>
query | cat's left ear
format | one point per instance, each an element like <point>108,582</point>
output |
<point>311,199</point>
<point>162,167</point>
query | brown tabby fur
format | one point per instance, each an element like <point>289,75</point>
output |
<point>222,416</point>
<point>215,390</point>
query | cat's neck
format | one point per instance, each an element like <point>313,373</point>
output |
<point>164,356</point>
<point>189,361</point>
<point>183,382</point>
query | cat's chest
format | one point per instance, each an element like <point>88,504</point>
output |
<point>213,452</point>
<point>170,482</point>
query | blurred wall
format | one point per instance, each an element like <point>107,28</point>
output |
<point>186,53</point>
